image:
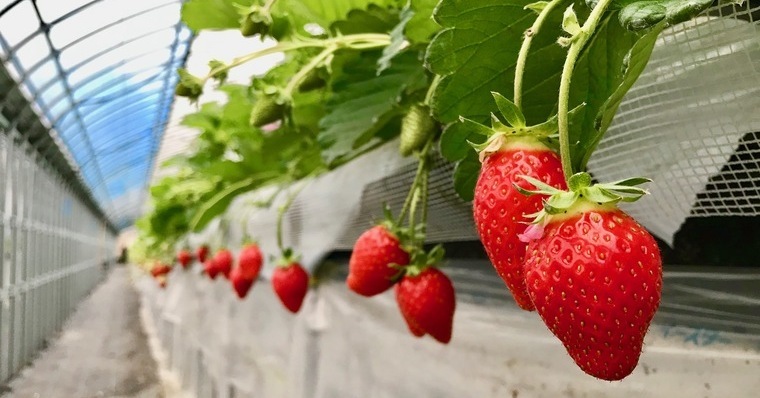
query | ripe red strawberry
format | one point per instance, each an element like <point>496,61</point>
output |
<point>369,271</point>
<point>596,278</point>
<point>250,261</point>
<point>499,208</point>
<point>184,257</point>
<point>291,282</point>
<point>211,269</point>
<point>223,262</point>
<point>240,283</point>
<point>202,253</point>
<point>427,302</point>
<point>160,269</point>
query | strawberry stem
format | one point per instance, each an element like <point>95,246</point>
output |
<point>306,69</point>
<point>362,41</point>
<point>281,215</point>
<point>522,56</point>
<point>578,41</point>
<point>417,176</point>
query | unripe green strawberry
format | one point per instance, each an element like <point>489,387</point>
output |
<point>416,128</point>
<point>188,85</point>
<point>499,209</point>
<point>266,110</point>
<point>595,277</point>
<point>311,81</point>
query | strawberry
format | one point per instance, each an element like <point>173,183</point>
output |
<point>240,283</point>
<point>185,258</point>
<point>250,261</point>
<point>223,262</point>
<point>160,269</point>
<point>369,268</point>
<point>202,253</point>
<point>427,302</point>
<point>290,282</point>
<point>210,267</point>
<point>499,208</point>
<point>416,128</point>
<point>595,276</point>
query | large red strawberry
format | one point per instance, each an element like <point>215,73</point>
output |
<point>184,257</point>
<point>201,253</point>
<point>250,261</point>
<point>290,282</point>
<point>499,208</point>
<point>427,302</point>
<point>369,269</point>
<point>595,277</point>
<point>240,283</point>
<point>223,262</point>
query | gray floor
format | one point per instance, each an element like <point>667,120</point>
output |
<point>102,351</point>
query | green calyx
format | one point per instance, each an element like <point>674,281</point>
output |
<point>514,127</point>
<point>582,195</point>
<point>218,71</point>
<point>421,260</point>
<point>288,257</point>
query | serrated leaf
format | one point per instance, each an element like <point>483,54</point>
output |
<point>476,52</point>
<point>212,14</point>
<point>421,26</point>
<point>321,12</point>
<point>454,142</point>
<point>643,14</point>
<point>363,102</point>
<point>398,41</point>
<point>466,176</point>
<point>219,203</point>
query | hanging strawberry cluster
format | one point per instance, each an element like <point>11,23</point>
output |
<point>359,74</point>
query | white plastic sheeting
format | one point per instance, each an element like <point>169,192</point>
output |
<point>343,345</point>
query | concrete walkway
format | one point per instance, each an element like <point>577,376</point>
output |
<point>102,351</point>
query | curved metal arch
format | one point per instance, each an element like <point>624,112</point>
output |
<point>103,71</point>
<point>130,91</point>
<point>150,96</point>
<point>59,98</point>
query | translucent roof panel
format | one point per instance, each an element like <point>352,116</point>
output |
<point>101,74</point>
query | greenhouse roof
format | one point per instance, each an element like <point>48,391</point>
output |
<point>100,75</point>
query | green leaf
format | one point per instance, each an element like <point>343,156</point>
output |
<point>374,19</point>
<point>421,27</point>
<point>213,14</point>
<point>476,52</point>
<point>321,12</point>
<point>643,14</point>
<point>398,41</point>
<point>363,102</point>
<point>454,141</point>
<point>466,176</point>
<point>220,202</point>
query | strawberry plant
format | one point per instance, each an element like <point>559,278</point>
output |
<point>532,86</point>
